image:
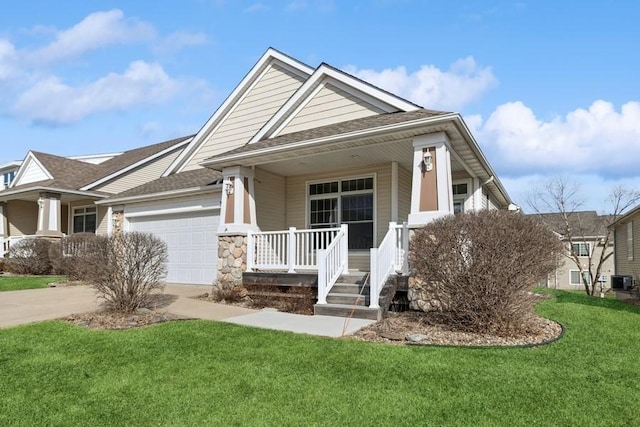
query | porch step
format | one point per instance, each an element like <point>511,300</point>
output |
<point>346,310</point>
<point>350,288</point>
<point>349,299</point>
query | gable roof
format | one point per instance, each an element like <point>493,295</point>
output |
<point>63,173</point>
<point>270,57</point>
<point>324,74</point>
<point>193,180</point>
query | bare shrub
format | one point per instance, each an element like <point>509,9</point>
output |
<point>69,255</point>
<point>480,265</point>
<point>29,256</point>
<point>229,294</point>
<point>289,299</point>
<point>126,268</point>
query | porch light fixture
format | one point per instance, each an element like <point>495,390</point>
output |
<point>228,188</point>
<point>427,161</point>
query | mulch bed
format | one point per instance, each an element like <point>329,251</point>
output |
<point>114,320</point>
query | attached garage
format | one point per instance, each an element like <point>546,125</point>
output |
<point>190,234</point>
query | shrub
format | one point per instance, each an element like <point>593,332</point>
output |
<point>69,255</point>
<point>126,268</point>
<point>480,265</point>
<point>29,256</point>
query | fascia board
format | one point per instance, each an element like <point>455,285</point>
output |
<point>162,195</point>
<point>25,163</point>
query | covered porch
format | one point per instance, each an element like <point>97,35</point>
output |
<point>47,213</point>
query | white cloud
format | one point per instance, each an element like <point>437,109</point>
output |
<point>51,101</point>
<point>256,7</point>
<point>431,87</point>
<point>8,66</point>
<point>599,139</point>
<point>176,41</point>
<point>97,30</point>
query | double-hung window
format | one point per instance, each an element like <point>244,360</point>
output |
<point>84,219</point>
<point>581,248</point>
<point>576,280</point>
<point>460,192</point>
<point>344,201</point>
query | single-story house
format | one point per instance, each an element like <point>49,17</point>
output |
<point>300,169</point>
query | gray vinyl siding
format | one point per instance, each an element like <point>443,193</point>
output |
<point>624,265</point>
<point>140,175</point>
<point>22,217</point>
<point>404,194</point>
<point>270,201</point>
<point>296,215</point>
<point>270,92</point>
<point>330,105</point>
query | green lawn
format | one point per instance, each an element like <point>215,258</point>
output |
<point>16,283</point>
<point>205,373</point>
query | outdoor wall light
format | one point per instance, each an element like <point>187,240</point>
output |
<point>228,188</point>
<point>427,161</point>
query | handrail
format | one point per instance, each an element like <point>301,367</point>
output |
<point>390,256</point>
<point>332,262</point>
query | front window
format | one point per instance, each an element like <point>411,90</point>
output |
<point>347,201</point>
<point>581,248</point>
<point>85,219</point>
<point>460,193</point>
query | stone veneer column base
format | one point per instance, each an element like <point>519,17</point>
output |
<point>232,260</point>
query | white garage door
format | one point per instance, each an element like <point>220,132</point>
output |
<point>191,241</point>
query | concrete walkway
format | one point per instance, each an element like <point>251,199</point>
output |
<point>34,305</point>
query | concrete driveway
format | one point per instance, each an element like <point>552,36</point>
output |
<point>35,305</point>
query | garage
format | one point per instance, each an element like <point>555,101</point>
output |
<point>191,241</point>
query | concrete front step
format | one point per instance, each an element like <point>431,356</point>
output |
<point>348,298</point>
<point>350,288</point>
<point>346,310</point>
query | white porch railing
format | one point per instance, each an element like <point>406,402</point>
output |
<point>390,256</point>
<point>332,262</point>
<point>291,250</point>
<point>8,241</point>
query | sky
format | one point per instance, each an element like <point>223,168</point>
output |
<point>548,88</point>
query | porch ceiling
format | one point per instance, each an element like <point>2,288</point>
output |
<point>339,158</point>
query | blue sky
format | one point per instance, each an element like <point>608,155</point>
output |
<point>548,88</point>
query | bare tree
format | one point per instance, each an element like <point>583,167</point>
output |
<point>558,201</point>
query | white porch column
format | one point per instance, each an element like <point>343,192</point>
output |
<point>431,195</point>
<point>3,223</point>
<point>49,215</point>
<point>238,208</point>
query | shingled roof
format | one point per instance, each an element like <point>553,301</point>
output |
<point>378,120</point>
<point>587,223</point>
<point>180,181</point>
<point>69,174</point>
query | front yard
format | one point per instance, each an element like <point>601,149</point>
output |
<point>16,283</point>
<point>207,373</point>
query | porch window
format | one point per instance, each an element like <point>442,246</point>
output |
<point>460,192</point>
<point>85,219</point>
<point>347,201</point>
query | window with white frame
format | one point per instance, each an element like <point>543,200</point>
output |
<point>7,177</point>
<point>85,219</point>
<point>630,241</point>
<point>344,201</point>
<point>576,280</point>
<point>581,248</point>
<point>460,192</point>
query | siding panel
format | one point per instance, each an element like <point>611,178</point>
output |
<point>274,88</point>
<point>22,217</point>
<point>270,201</point>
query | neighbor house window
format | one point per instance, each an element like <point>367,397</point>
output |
<point>7,177</point>
<point>630,241</point>
<point>85,219</point>
<point>581,248</point>
<point>344,201</point>
<point>576,280</point>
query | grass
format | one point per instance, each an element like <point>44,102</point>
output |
<point>208,373</point>
<point>16,283</point>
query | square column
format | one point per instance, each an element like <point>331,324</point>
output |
<point>3,222</point>
<point>49,215</point>
<point>238,208</point>
<point>431,195</point>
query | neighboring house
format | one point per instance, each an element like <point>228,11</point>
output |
<point>8,172</point>
<point>589,231</point>
<point>291,157</point>
<point>626,235</point>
